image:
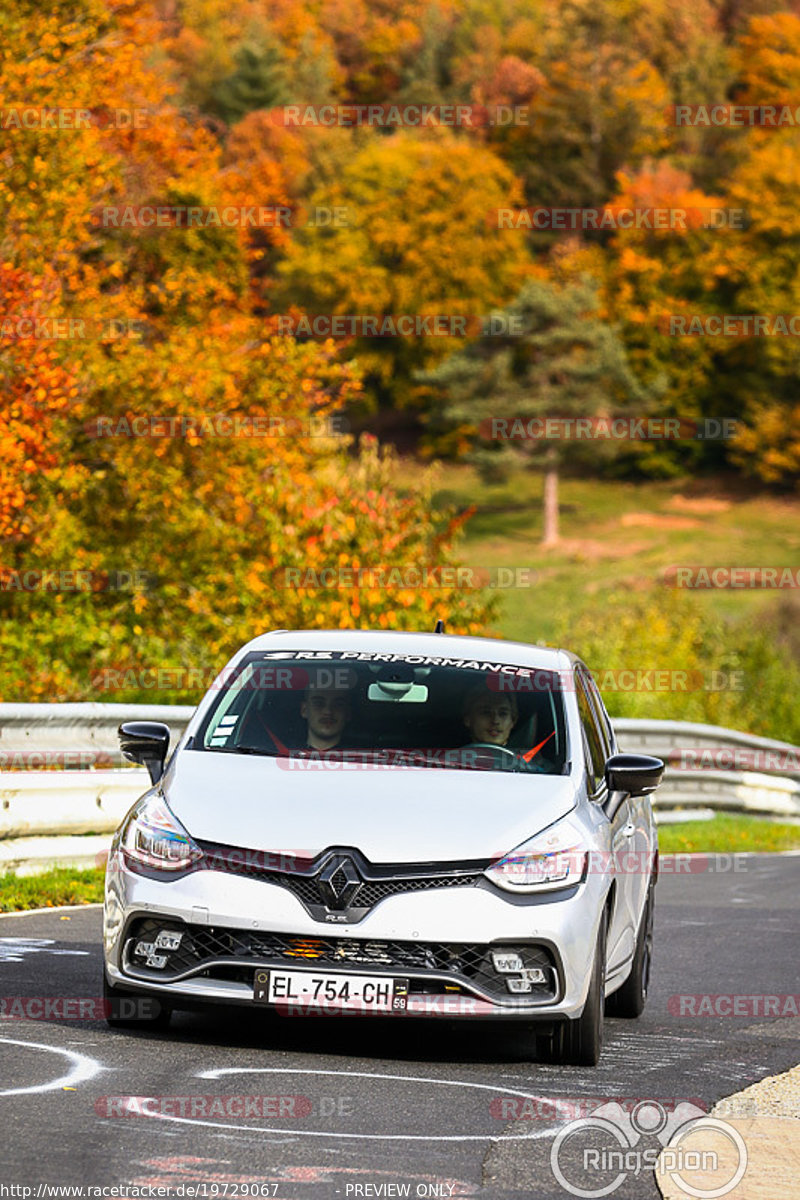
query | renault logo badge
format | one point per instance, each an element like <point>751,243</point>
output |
<point>339,882</point>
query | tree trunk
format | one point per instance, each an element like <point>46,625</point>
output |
<point>551,505</point>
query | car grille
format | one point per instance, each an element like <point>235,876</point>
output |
<point>376,884</point>
<point>236,948</point>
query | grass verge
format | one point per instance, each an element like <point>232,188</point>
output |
<point>615,534</point>
<point>728,833</point>
<point>62,885</point>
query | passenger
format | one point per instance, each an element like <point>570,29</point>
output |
<point>490,716</point>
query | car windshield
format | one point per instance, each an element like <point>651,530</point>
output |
<point>365,708</point>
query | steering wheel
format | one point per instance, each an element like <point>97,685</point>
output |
<point>493,746</point>
<point>489,746</point>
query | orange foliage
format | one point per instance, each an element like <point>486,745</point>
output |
<point>36,392</point>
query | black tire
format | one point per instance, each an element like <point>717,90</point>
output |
<point>133,1010</point>
<point>579,1042</point>
<point>629,1000</point>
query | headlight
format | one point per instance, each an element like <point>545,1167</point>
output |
<point>154,838</point>
<point>553,859</point>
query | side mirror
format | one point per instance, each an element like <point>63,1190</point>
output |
<point>146,743</point>
<point>636,774</point>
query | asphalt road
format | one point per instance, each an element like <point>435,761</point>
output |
<point>374,1107</point>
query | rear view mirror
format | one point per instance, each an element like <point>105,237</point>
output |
<point>636,774</point>
<point>396,682</point>
<point>411,693</point>
<point>146,743</point>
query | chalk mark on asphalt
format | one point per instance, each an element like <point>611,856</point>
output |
<point>12,949</point>
<point>83,1069</point>
<point>547,1131</point>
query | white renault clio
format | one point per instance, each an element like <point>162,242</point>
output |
<point>389,823</point>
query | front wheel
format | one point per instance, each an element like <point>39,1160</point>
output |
<point>629,1000</point>
<point>579,1042</point>
<point>133,1010</point>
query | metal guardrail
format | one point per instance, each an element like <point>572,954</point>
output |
<point>46,815</point>
<point>35,735</point>
<point>714,767</point>
<point>687,745</point>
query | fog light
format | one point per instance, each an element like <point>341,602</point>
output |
<point>144,948</point>
<point>534,975</point>
<point>507,964</point>
<point>156,960</point>
<point>168,940</point>
<point>519,985</point>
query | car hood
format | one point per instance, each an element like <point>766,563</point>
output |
<point>391,815</point>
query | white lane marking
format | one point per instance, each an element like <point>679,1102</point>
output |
<point>12,949</point>
<point>373,1137</point>
<point>32,912</point>
<point>83,1069</point>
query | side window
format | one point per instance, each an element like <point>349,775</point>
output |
<point>594,742</point>
<point>602,716</point>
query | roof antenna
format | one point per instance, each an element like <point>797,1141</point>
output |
<point>439,627</point>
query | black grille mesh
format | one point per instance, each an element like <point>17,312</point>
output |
<point>305,887</point>
<point>466,962</point>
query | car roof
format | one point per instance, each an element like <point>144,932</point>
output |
<point>445,646</point>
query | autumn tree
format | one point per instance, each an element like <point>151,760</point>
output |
<point>758,270</point>
<point>593,101</point>
<point>38,394</point>
<point>558,360</point>
<point>258,82</point>
<point>421,238</point>
<point>207,519</point>
<point>649,276</point>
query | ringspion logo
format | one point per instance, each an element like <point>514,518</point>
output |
<point>702,1155</point>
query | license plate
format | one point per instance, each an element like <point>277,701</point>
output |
<point>363,993</point>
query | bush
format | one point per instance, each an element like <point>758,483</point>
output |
<point>737,676</point>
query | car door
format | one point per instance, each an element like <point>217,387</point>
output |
<point>642,843</point>
<point>617,807</point>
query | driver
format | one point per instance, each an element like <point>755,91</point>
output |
<point>326,712</point>
<point>490,716</point>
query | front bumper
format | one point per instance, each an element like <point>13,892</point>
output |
<point>439,942</point>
